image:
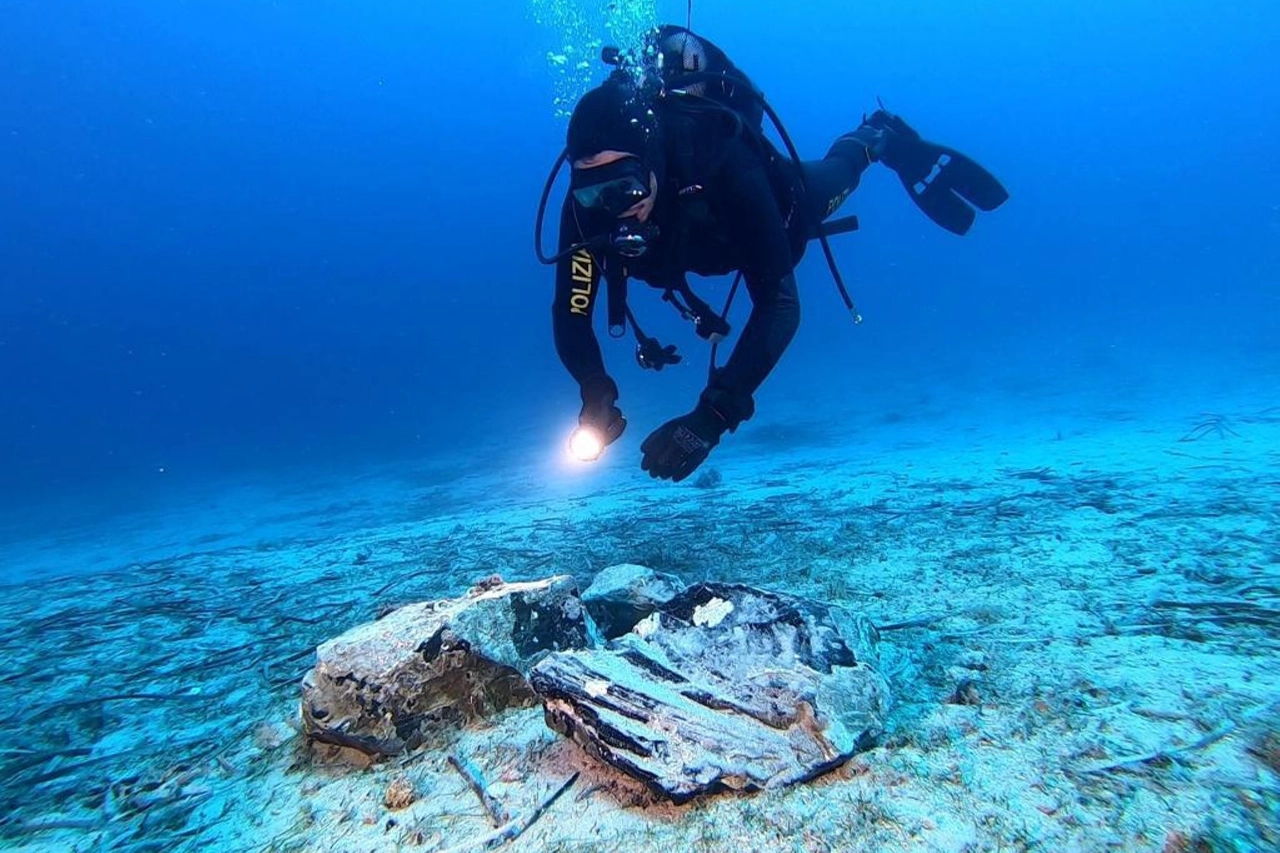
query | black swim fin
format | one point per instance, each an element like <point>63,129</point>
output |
<point>943,183</point>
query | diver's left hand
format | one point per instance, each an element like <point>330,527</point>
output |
<point>674,450</point>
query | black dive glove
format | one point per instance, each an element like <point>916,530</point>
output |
<point>599,410</point>
<point>674,450</point>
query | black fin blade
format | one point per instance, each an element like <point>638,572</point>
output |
<point>940,204</point>
<point>972,182</point>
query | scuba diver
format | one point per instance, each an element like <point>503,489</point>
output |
<point>671,174</point>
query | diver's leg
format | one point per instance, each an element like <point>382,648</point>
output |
<point>831,179</point>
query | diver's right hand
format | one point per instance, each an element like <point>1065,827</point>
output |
<point>600,412</point>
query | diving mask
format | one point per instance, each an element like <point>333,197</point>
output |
<point>612,189</point>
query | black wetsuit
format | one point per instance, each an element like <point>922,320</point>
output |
<point>727,201</point>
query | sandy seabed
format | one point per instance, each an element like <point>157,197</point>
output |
<point>1080,627</point>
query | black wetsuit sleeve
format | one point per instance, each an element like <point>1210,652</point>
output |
<point>577,288</point>
<point>760,235</point>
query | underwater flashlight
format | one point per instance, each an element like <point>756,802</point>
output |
<point>585,444</point>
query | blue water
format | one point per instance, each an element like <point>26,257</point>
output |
<point>247,236</point>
